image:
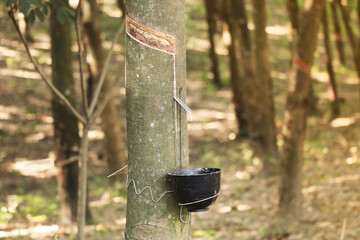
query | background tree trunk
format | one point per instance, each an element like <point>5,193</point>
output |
<point>337,32</point>
<point>237,78</point>
<point>121,4</point>
<point>114,144</point>
<point>352,40</point>
<point>269,150</point>
<point>65,123</point>
<point>290,204</point>
<point>211,21</point>
<point>334,99</point>
<point>251,84</point>
<point>293,11</point>
<point>154,145</point>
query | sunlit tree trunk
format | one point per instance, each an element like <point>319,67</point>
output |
<point>290,204</point>
<point>337,32</point>
<point>157,136</point>
<point>334,98</point>
<point>65,123</point>
<point>211,21</point>
<point>269,149</point>
<point>114,144</point>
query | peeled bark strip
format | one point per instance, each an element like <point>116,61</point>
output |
<point>153,142</point>
<point>290,204</point>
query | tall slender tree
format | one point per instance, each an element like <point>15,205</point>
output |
<point>293,12</point>
<point>269,149</point>
<point>211,21</point>
<point>246,60</point>
<point>334,98</point>
<point>157,127</point>
<point>114,144</point>
<point>237,78</point>
<point>354,43</point>
<point>66,134</point>
<point>290,204</point>
<point>337,32</point>
<point>256,84</point>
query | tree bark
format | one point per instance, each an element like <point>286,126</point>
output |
<point>211,21</point>
<point>121,5</point>
<point>334,99</point>
<point>65,123</point>
<point>251,84</point>
<point>157,136</point>
<point>337,32</point>
<point>82,199</point>
<point>290,204</point>
<point>269,150</point>
<point>293,11</point>
<point>237,78</point>
<point>114,144</point>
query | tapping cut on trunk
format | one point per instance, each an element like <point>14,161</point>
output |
<point>158,40</point>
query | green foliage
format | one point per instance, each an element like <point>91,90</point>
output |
<point>39,9</point>
<point>32,207</point>
<point>32,9</point>
<point>63,10</point>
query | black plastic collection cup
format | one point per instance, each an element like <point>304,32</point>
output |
<point>196,189</point>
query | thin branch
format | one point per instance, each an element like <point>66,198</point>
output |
<point>80,44</point>
<point>38,69</point>
<point>102,104</point>
<point>104,70</point>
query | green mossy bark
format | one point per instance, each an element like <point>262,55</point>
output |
<point>153,145</point>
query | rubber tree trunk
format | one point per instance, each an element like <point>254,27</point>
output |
<point>270,153</point>
<point>293,11</point>
<point>334,98</point>
<point>237,78</point>
<point>114,144</point>
<point>65,123</point>
<point>337,32</point>
<point>211,21</point>
<point>290,204</point>
<point>251,84</point>
<point>157,136</point>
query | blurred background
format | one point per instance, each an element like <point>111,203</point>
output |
<point>227,51</point>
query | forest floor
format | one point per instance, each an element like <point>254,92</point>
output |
<point>246,208</point>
